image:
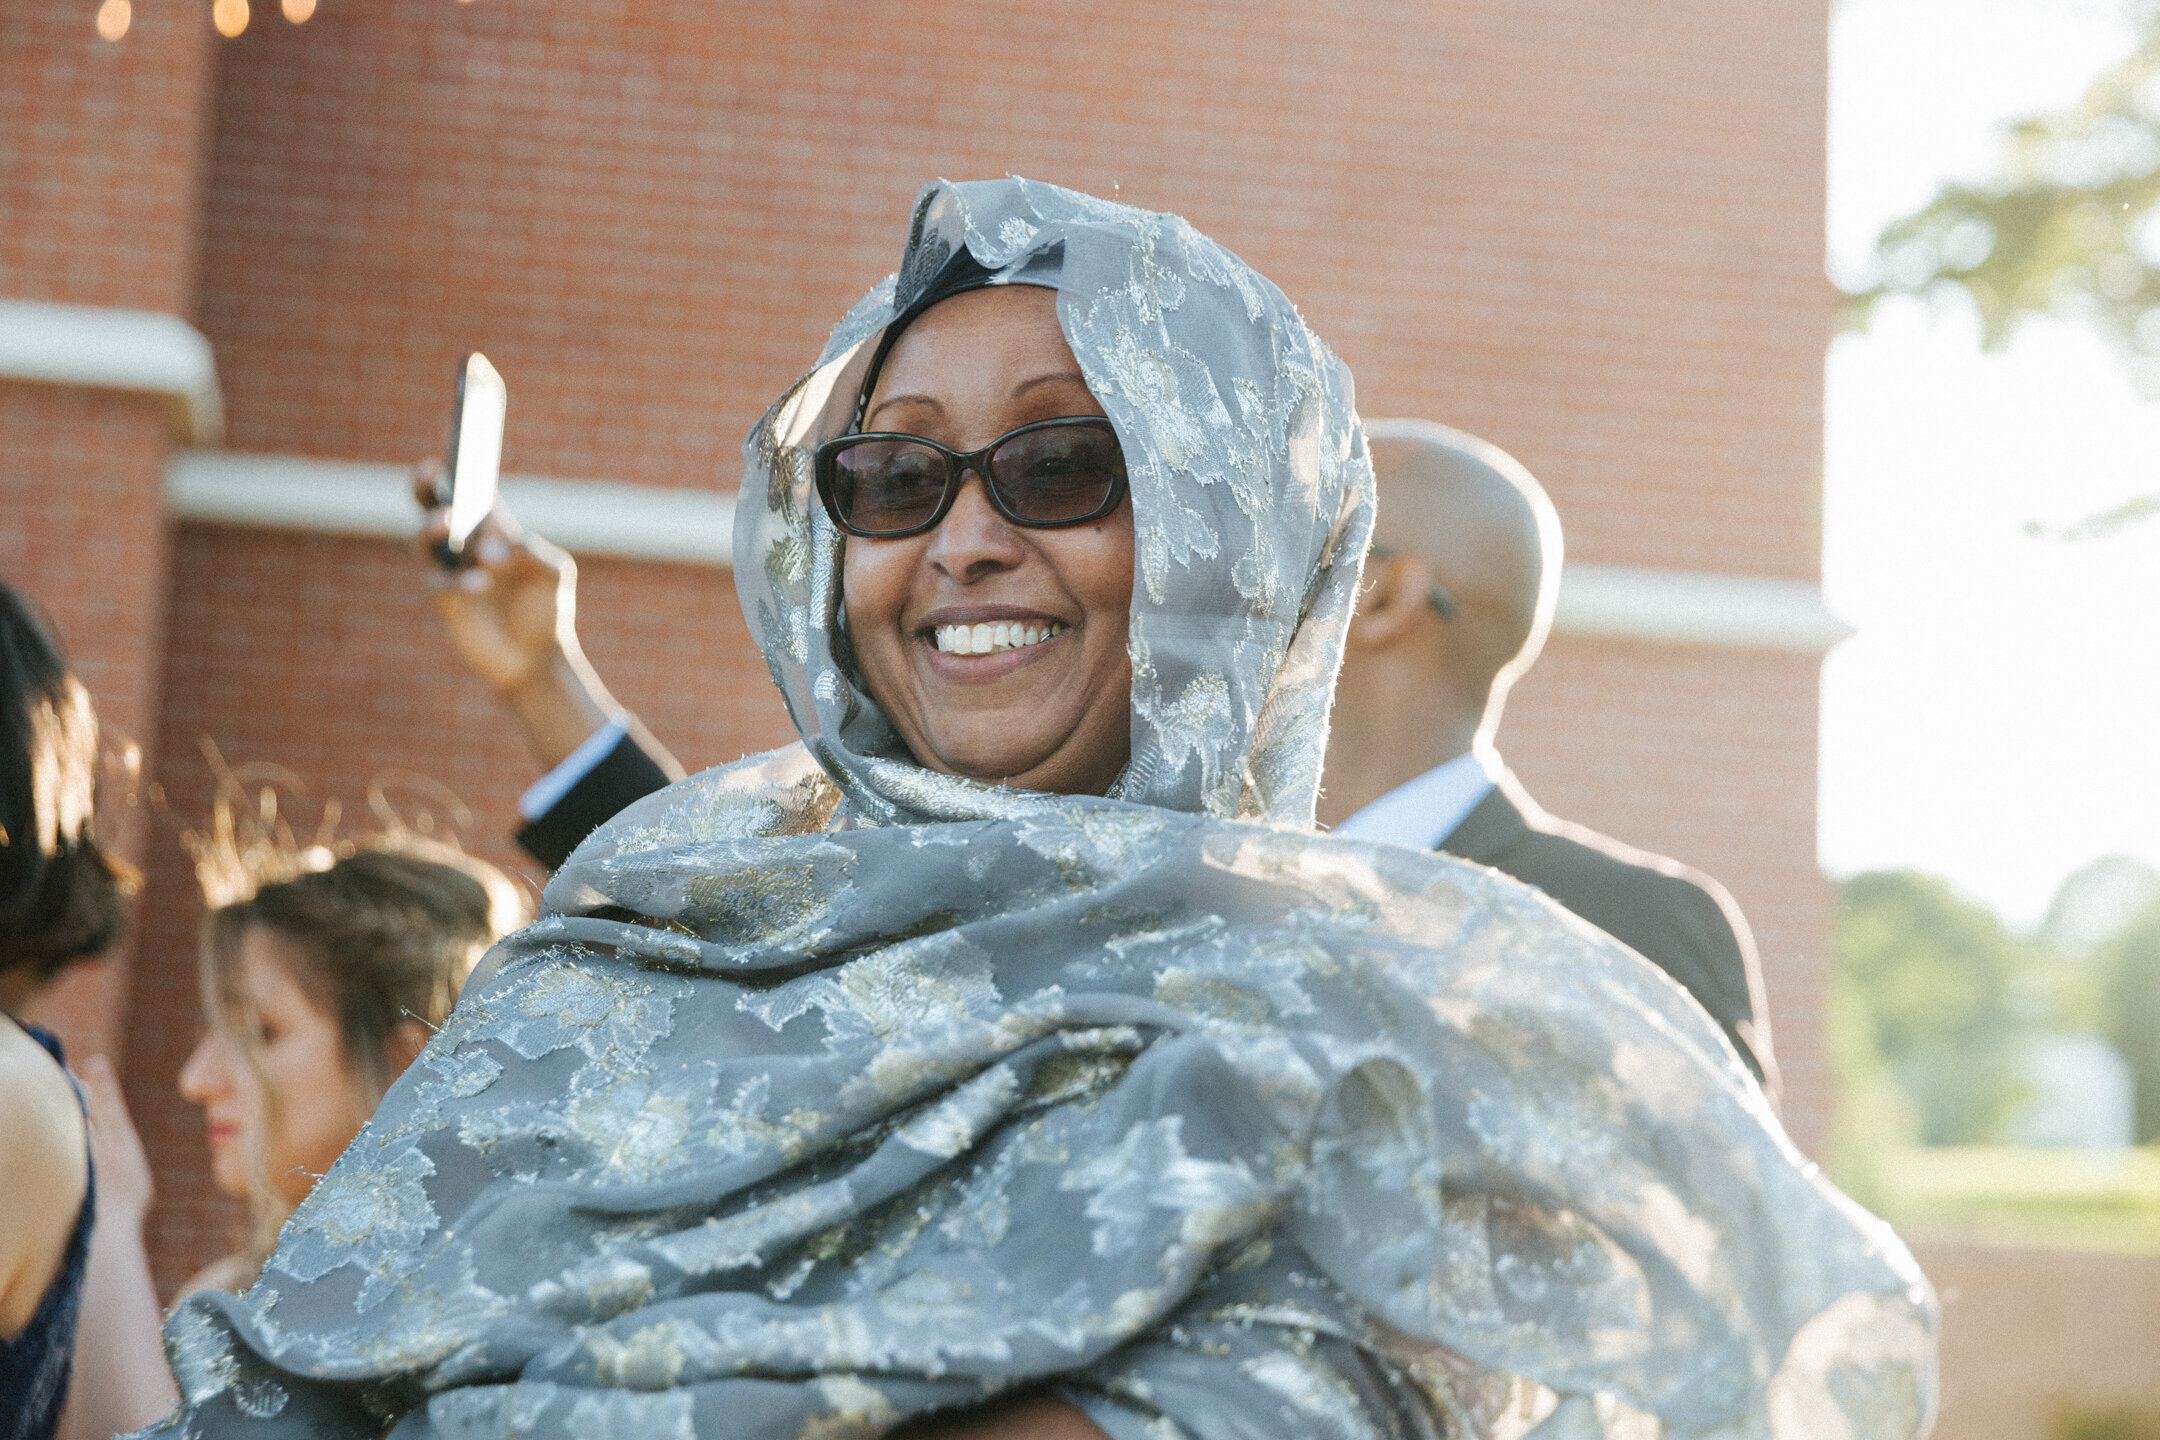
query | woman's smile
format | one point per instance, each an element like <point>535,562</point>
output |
<point>976,644</point>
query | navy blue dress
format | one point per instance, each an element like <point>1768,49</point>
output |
<point>34,1365</point>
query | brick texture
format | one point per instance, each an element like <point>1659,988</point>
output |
<point>1589,232</point>
<point>101,154</point>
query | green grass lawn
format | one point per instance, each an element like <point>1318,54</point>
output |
<point>2002,1195</point>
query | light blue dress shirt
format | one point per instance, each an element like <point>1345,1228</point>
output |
<point>1421,813</point>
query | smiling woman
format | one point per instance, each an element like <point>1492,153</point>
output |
<point>1011,1057</point>
<point>942,619</point>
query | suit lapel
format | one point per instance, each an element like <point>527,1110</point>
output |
<point>1488,830</point>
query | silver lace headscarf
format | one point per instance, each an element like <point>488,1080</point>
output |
<point>829,1091</point>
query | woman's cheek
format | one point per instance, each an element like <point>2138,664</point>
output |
<point>310,1103</point>
<point>874,586</point>
<point>234,1162</point>
<point>274,1123</point>
<point>1110,575</point>
<point>230,1165</point>
<point>866,586</point>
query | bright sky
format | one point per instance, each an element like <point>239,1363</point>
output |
<point>1997,718</point>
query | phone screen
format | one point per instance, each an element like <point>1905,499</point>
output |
<point>476,436</point>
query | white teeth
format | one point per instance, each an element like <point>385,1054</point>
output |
<point>988,639</point>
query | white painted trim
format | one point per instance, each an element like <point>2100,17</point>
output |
<point>646,522</point>
<point>348,497</point>
<point>1742,612</point>
<point>112,349</point>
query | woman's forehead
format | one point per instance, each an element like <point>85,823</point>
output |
<point>982,348</point>
<point>1015,323</point>
<point>269,967</point>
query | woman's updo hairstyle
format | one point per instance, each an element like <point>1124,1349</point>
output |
<point>383,935</point>
<point>59,890</point>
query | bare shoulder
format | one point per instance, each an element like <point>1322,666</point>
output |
<point>41,1123</point>
<point>42,1134</point>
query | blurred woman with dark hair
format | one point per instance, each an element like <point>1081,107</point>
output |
<point>318,991</point>
<point>59,903</point>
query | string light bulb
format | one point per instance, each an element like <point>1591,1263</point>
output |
<point>297,11</point>
<point>230,17</point>
<point>113,19</point>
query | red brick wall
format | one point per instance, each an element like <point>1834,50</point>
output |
<point>100,175</point>
<point>1590,230</point>
<point>100,170</point>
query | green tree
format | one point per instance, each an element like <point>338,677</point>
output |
<point>1925,992</point>
<point>2130,965</point>
<point>2066,227</point>
<point>2070,226</point>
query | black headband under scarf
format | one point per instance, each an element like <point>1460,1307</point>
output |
<point>961,272</point>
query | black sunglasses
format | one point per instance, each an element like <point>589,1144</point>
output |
<point>883,486</point>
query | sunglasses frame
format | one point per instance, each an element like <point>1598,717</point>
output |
<point>957,466</point>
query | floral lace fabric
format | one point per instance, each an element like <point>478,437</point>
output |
<point>829,1091</point>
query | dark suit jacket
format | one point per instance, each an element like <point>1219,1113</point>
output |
<point>621,778</point>
<point>1679,919</point>
<point>1676,917</point>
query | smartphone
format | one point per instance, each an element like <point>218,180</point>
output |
<point>475,460</point>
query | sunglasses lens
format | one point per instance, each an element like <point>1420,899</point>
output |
<point>1058,474</point>
<point>882,487</point>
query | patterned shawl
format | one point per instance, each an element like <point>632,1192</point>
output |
<point>830,1090</point>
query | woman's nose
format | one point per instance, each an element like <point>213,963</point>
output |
<point>974,540</point>
<point>202,1077</point>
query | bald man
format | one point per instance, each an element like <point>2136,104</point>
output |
<point>1459,595</point>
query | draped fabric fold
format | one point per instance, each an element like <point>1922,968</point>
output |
<point>829,1090</point>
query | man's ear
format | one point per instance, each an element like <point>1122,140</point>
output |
<point>1391,602</point>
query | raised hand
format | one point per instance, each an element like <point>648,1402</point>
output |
<point>511,615</point>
